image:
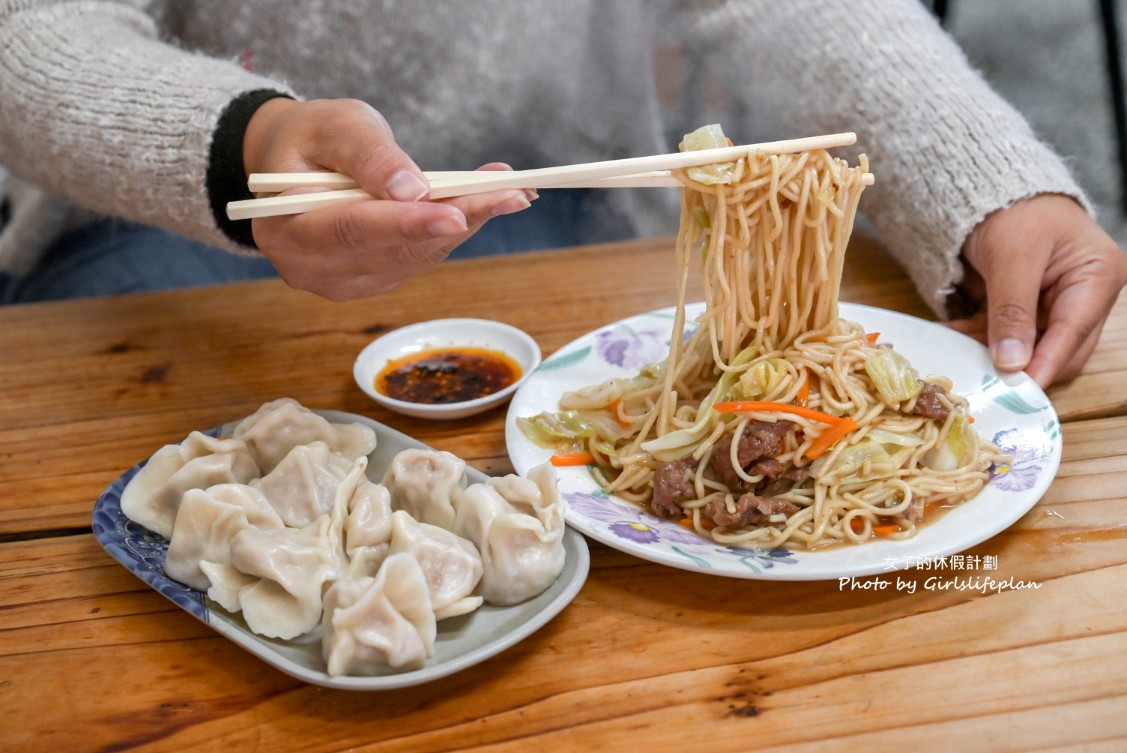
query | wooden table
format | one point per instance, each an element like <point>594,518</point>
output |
<point>645,658</point>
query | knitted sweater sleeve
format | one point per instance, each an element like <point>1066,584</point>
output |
<point>946,150</point>
<point>98,109</point>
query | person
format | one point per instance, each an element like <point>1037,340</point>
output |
<point>153,113</point>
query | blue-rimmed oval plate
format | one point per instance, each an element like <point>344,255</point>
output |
<point>461,642</point>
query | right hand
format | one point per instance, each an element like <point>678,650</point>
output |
<point>367,247</point>
<point>1045,277</point>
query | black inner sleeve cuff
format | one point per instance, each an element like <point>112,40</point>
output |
<point>226,177</point>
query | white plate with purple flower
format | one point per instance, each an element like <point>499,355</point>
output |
<point>1010,410</point>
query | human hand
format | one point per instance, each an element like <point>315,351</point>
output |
<point>368,247</point>
<point>1045,276</point>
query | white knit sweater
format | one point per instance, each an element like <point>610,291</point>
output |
<point>112,105</point>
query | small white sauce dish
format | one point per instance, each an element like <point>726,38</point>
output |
<point>446,333</point>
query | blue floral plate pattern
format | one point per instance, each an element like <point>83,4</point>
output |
<point>1010,410</point>
<point>461,642</point>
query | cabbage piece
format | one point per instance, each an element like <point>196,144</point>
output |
<point>891,438</point>
<point>586,415</point>
<point>677,444</point>
<point>895,379</point>
<point>847,464</point>
<point>827,197</point>
<point>709,137</point>
<point>596,396</point>
<point>569,430</point>
<point>955,449</point>
<point>700,214</point>
<point>550,429</point>
<point>603,394</point>
<point>762,379</point>
<point>884,449</point>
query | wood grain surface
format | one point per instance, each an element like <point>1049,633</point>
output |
<point>646,657</point>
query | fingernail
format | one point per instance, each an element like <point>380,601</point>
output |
<point>406,186</point>
<point>447,226</point>
<point>510,205</point>
<point>1011,354</point>
<point>531,194</point>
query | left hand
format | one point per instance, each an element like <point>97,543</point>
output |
<point>1045,276</point>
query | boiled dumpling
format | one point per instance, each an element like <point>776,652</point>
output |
<point>367,529</point>
<point>365,561</point>
<point>280,425</point>
<point>205,525</point>
<point>354,483</point>
<point>292,566</point>
<point>369,517</point>
<point>226,584</point>
<point>451,564</point>
<point>423,483</point>
<point>152,497</point>
<point>517,525</point>
<point>377,624</point>
<point>301,487</point>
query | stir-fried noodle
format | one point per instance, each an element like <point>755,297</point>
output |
<point>774,422</point>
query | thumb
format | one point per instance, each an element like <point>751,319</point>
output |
<point>1009,254</point>
<point>378,164</point>
<point>1011,312</point>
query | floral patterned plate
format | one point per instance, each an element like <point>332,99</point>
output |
<point>1010,410</point>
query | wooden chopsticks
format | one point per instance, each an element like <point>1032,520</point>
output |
<point>445,180</point>
<point>631,172</point>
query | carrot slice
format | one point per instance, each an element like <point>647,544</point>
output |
<point>687,522</point>
<point>872,338</point>
<point>572,458</point>
<point>830,437</point>
<point>882,529</point>
<point>803,396</point>
<point>614,411</point>
<point>839,425</point>
<point>934,505</point>
<point>763,406</point>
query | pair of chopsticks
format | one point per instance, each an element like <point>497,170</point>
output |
<point>443,184</point>
<point>632,172</point>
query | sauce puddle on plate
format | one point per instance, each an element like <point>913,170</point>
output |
<point>447,375</point>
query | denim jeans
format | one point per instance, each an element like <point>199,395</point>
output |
<point>114,257</point>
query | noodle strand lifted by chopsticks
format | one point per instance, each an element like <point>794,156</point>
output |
<point>774,422</point>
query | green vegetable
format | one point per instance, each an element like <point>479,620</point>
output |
<point>602,395</point>
<point>953,451</point>
<point>709,137</point>
<point>551,429</point>
<point>700,214</point>
<point>883,450</point>
<point>762,380</point>
<point>848,463</point>
<point>892,375</point>
<point>890,438</point>
<point>677,444</point>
